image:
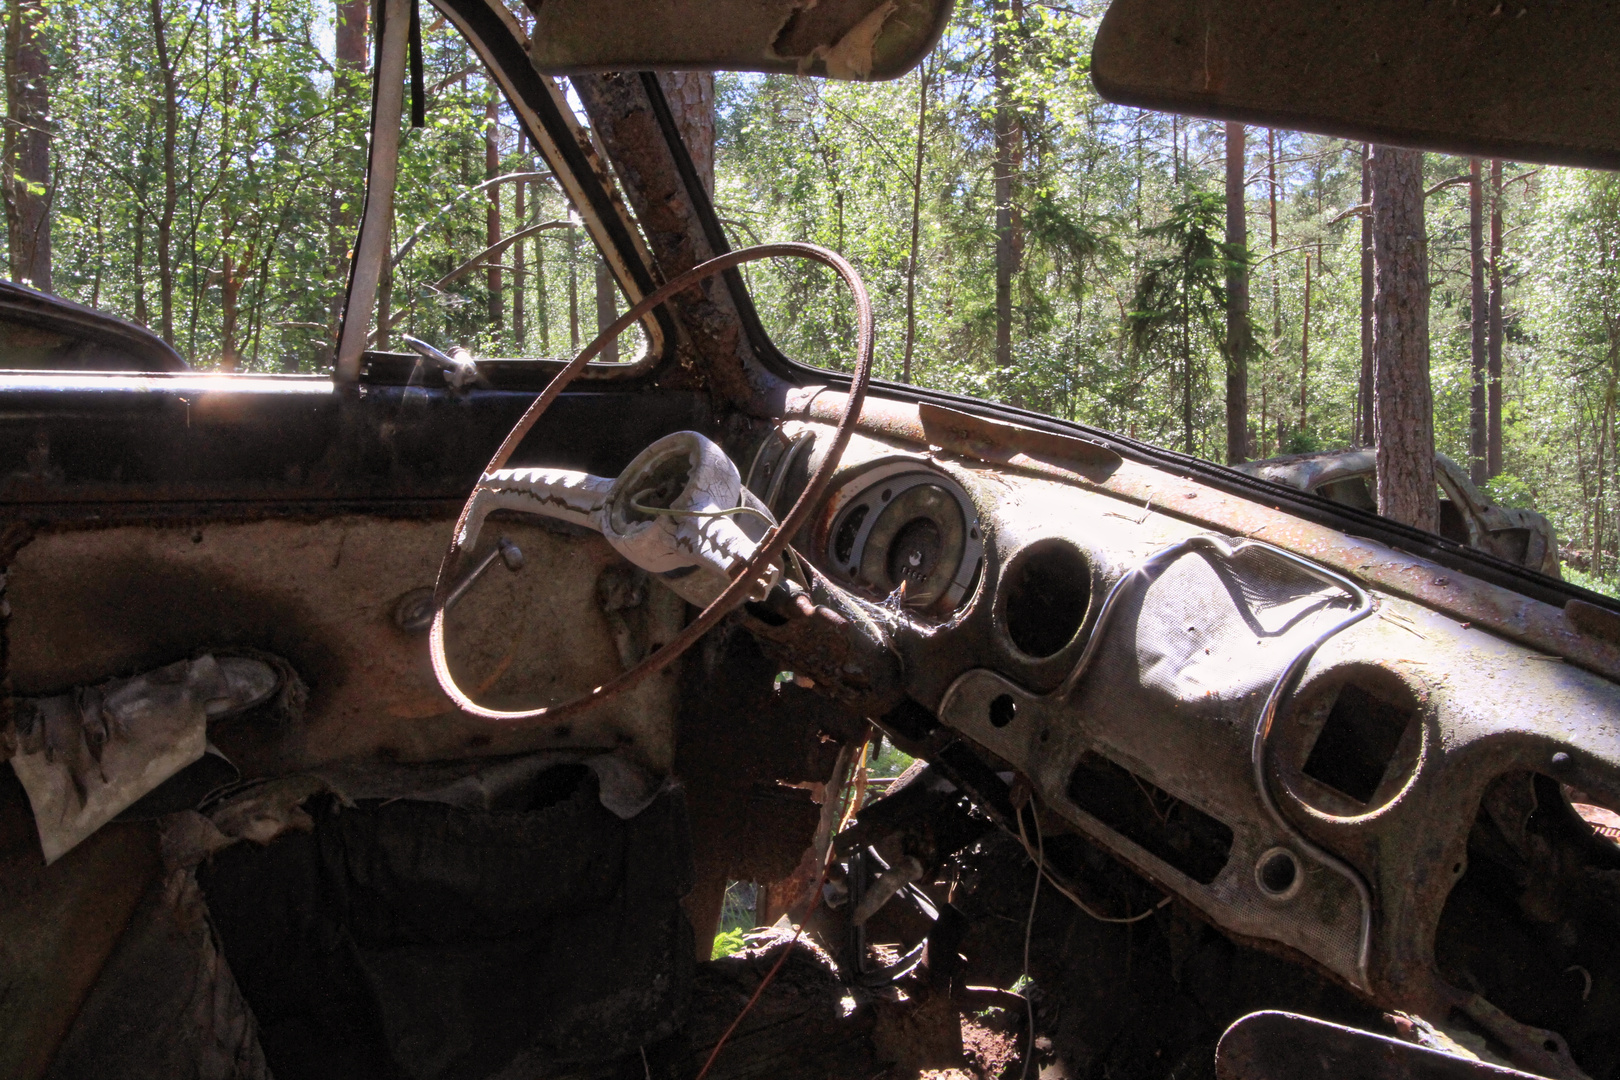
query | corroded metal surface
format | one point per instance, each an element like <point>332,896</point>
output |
<point>1530,622</point>
<point>322,595</point>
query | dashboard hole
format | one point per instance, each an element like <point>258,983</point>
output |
<point>1002,710</point>
<point>1277,873</point>
<point>1183,836</point>
<point>1358,741</point>
<point>1047,588</point>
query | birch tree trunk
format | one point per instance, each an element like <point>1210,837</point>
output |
<point>492,209</point>
<point>1477,437</point>
<point>520,275</point>
<point>1493,333</point>
<point>923,75</point>
<point>1009,135</point>
<point>1403,407</point>
<point>1364,399</point>
<point>1271,188</point>
<point>171,181</point>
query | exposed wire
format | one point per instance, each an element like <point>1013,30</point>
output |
<point>758,990</point>
<point>857,789</point>
<point>1029,928</point>
<point>1075,900</point>
<point>667,511</point>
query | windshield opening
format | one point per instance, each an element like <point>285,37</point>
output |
<point>198,168</point>
<point>487,251</point>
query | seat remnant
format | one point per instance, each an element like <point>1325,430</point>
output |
<point>85,755</point>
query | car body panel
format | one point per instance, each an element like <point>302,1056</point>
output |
<point>1467,516</point>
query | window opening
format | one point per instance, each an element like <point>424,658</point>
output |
<point>489,254</point>
<point>205,179</point>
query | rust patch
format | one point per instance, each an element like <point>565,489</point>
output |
<point>58,925</point>
<point>1519,618</point>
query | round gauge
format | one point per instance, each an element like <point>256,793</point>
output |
<point>911,534</point>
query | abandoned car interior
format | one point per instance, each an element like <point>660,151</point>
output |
<point>412,719</point>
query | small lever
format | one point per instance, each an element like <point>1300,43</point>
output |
<point>460,370</point>
<point>414,611</point>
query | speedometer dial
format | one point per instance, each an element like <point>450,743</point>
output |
<point>911,535</point>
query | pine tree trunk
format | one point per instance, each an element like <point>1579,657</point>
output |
<point>1493,333</point>
<point>1364,399</point>
<point>1237,301</point>
<point>492,211</point>
<point>691,102</point>
<point>573,291</point>
<point>1403,408</point>
<point>1186,356</point>
<point>385,296</point>
<point>542,302</point>
<point>1175,150</point>
<point>28,146</point>
<point>607,309</point>
<point>1477,319</point>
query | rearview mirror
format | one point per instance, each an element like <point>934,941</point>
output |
<point>840,39</point>
<point>1530,80</point>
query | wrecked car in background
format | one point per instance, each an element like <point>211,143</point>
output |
<point>1466,515</point>
<point>312,777</point>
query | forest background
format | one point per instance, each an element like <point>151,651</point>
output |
<point>197,166</point>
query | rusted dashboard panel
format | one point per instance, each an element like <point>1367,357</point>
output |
<point>1294,754</point>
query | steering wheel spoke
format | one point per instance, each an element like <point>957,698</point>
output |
<point>561,494</point>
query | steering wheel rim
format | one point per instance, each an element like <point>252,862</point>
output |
<point>773,544</point>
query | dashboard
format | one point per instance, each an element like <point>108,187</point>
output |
<point>1299,758</point>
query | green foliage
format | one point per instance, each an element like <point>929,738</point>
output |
<point>1608,586</point>
<point>1117,301</point>
<point>888,760</point>
<point>257,149</point>
<point>1508,490</point>
<point>1301,441</point>
<point>268,182</point>
<point>727,942</point>
<point>1178,311</point>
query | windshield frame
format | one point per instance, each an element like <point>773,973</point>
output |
<point>549,123</point>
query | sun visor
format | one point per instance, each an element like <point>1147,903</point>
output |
<point>1529,80</point>
<point>839,39</point>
